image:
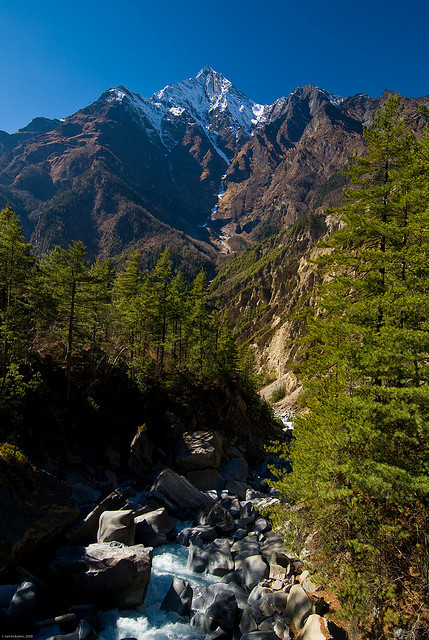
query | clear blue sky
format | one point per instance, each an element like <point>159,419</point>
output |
<point>57,57</point>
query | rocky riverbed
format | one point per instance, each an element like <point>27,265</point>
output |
<point>131,567</point>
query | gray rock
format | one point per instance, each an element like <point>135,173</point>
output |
<point>254,569</point>
<point>153,528</point>
<point>25,604</point>
<point>318,628</point>
<point>180,497</point>
<point>299,606</point>
<point>220,559</point>
<point>178,598</point>
<point>117,526</point>
<point>222,613</point>
<point>206,479</point>
<point>86,530</point>
<point>199,450</point>
<point>262,524</point>
<point>198,556</point>
<point>204,533</point>
<point>247,621</point>
<point>108,575</point>
<point>236,488</point>
<point>217,516</point>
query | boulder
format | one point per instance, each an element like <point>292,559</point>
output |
<point>236,488</point>
<point>141,451</point>
<point>34,508</point>
<point>298,607</point>
<point>117,526</point>
<point>83,632</point>
<point>153,528</point>
<point>214,558</point>
<point>206,479</point>
<point>254,570</point>
<point>318,628</point>
<point>179,496</point>
<point>178,598</point>
<point>220,559</point>
<point>25,604</point>
<point>222,613</point>
<point>108,575</point>
<point>217,516</point>
<point>204,533</point>
<point>199,450</point>
<point>85,531</point>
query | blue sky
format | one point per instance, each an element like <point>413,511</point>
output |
<point>58,57</point>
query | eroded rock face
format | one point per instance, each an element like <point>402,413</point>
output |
<point>34,508</point>
<point>108,575</point>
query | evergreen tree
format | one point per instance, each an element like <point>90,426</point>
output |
<point>66,277</point>
<point>360,458</point>
<point>15,279</point>
<point>160,279</point>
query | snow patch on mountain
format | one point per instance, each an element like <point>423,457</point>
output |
<point>209,100</point>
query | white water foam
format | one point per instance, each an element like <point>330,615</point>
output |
<point>148,622</point>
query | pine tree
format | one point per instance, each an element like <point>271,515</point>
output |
<point>15,279</point>
<point>66,278</point>
<point>360,458</point>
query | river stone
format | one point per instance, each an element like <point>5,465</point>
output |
<point>117,526</point>
<point>180,497</point>
<point>199,450</point>
<point>220,560</point>
<point>34,508</point>
<point>153,528</point>
<point>247,621</point>
<point>25,604</point>
<point>178,598</point>
<point>198,556</point>
<point>218,517</point>
<point>109,575</point>
<point>222,613</point>
<point>299,606</point>
<point>204,533</point>
<point>85,531</point>
<point>83,632</point>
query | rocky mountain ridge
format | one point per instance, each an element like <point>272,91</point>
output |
<point>198,166</point>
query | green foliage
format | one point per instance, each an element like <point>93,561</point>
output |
<point>361,451</point>
<point>12,455</point>
<point>278,394</point>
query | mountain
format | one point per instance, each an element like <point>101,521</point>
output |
<point>198,166</point>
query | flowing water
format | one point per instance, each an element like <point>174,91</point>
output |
<point>148,622</point>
